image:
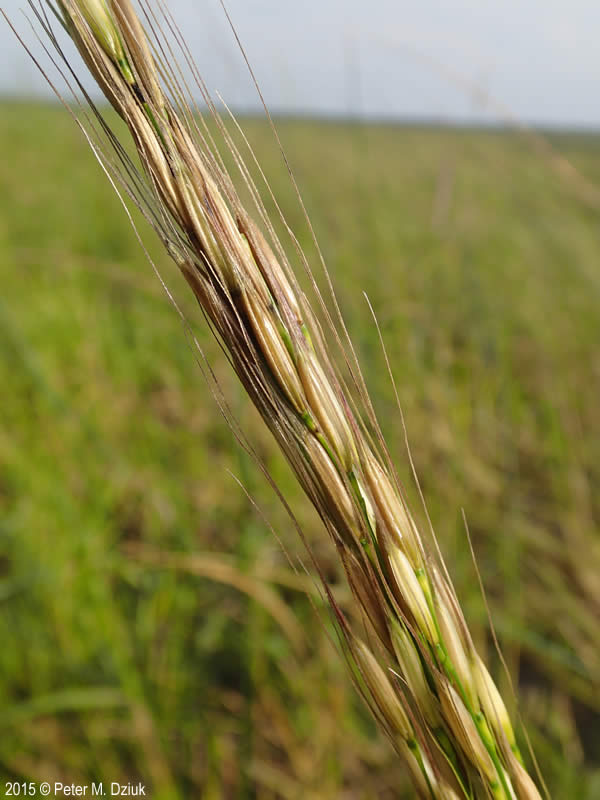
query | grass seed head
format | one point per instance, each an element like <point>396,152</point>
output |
<point>244,291</point>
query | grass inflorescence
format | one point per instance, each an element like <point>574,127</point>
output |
<point>256,309</point>
<point>435,699</point>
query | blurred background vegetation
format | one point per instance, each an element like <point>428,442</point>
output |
<point>151,626</point>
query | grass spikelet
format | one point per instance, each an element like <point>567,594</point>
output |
<point>463,727</point>
<point>411,667</point>
<point>411,593</point>
<point>384,696</point>
<point>493,705</point>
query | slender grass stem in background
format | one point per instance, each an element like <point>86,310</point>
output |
<point>415,664</point>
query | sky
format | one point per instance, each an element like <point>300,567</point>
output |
<point>466,61</point>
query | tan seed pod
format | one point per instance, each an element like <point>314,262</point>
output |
<point>137,44</point>
<point>382,691</point>
<point>102,61</point>
<point>411,593</point>
<point>102,23</point>
<point>524,785</point>
<point>269,266</point>
<point>274,350</point>
<point>411,670</point>
<point>455,648</point>
<point>193,212</point>
<point>156,163</point>
<point>368,597</point>
<point>243,268</point>
<point>465,731</point>
<point>337,501</point>
<point>492,703</point>
<point>393,511</point>
<point>326,408</point>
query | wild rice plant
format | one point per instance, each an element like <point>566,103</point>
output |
<point>415,662</point>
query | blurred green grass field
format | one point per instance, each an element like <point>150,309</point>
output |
<point>151,627</point>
